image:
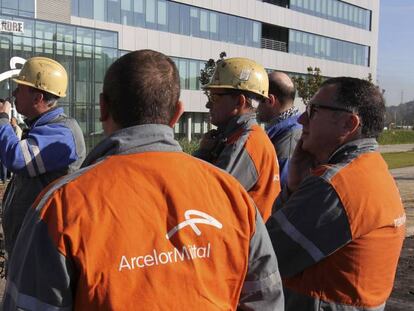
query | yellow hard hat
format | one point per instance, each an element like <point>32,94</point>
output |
<point>240,74</point>
<point>44,74</point>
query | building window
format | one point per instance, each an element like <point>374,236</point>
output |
<point>114,11</point>
<point>105,38</point>
<point>172,17</point>
<point>195,22</point>
<point>204,24</point>
<point>189,71</point>
<point>193,75</point>
<point>162,15</point>
<point>99,12</point>
<point>335,10</point>
<point>308,44</point>
<point>127,15</point>
<point>10,4</point>
<point>184,20</point>
<point>64,33</point>
<point>45,30</point>
<point>86,8</point>
<point>139,13</point>
<point>150,14</point>
<point>26,6</point>
<point>85,36</point>
<point>213,26</point>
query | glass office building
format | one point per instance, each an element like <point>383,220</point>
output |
<point>86,36</point>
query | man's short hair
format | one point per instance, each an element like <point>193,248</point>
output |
<point>362,97</point>
<point>285,93</point>
<point>49,98</point>
<point>142,87</point>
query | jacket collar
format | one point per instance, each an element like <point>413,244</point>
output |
<point>278,126</point>
<point>45,117</point>
<point>353,149</point>
<point>244,121</point>
<point>135,139</point>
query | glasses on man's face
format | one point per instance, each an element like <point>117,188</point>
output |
<point>310,109</point>
<point>213,97</point>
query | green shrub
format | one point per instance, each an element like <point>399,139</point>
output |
<point>189,146</point>
<point>392,137</point>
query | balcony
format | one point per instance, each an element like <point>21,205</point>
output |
<point>273,45</point>
<point>282,3</point>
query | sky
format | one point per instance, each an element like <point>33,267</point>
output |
<point>395,71</point>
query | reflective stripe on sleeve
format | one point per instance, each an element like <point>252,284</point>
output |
<point>255,286</point>
<point>37,157</point>
<point>27,158</point>
<point>298,237</point>
<point>30,303</point>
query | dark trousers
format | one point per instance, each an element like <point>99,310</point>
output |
<point>3,172</point>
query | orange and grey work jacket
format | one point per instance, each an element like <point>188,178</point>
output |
<point>339,236</point>
<point>245,151</point>
<point>146,227</point>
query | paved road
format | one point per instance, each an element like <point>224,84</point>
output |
<point>404,173</point>
<point>396,148</point>
<point>405,181</point>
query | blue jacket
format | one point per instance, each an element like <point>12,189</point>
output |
<point>52,147</point>
<point>284,136</point>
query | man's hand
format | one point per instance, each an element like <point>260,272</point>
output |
<point>299,166</point>
<point>209,140</point>
<point>5,107</point>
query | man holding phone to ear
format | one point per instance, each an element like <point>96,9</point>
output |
<point>51,146</point>
<point>338,225</point>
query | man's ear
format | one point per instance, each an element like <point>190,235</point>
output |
<point>272,101</point>
<point>179,110</point>
<point>352,123</point>
<point>37,98</point>
<point>241,103</point>
<point>103,105</point>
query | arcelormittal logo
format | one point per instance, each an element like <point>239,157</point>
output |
<point>204,219</point>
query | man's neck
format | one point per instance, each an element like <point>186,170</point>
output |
<point>324,158</point>
<point>36,116</point>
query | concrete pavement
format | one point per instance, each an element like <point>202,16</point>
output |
<point>405,181</point>
<point>396,148</point>
<point>404,173</point>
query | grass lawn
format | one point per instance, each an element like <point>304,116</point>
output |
<point>399,159</point>
<point>390,137</point>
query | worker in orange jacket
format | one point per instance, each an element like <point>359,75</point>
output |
<point>143,226</point>
<point>239,145</point>
<point>339,224</point>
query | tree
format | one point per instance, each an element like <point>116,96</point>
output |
<point>207,72</point>
<point>308,86</point>
<point>369,79</point>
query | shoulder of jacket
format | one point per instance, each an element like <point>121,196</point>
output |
<point>64,182</point>
<point>329,171</point>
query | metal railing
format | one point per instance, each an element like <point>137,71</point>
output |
<point>274,45</point>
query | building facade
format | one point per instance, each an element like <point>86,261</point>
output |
<point>86,36</point>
